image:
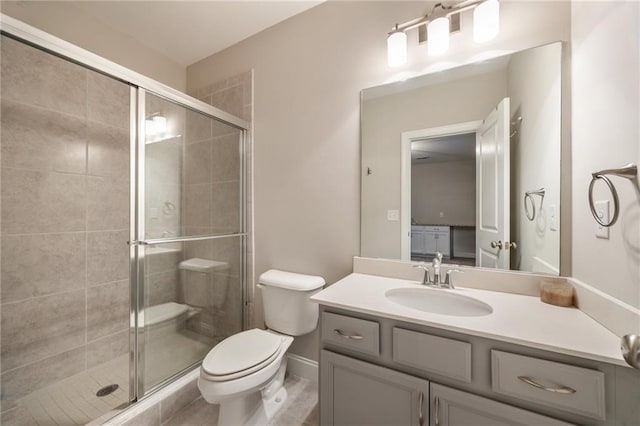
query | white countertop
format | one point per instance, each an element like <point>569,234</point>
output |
<point>519,319</point>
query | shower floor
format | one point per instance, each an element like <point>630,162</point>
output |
<point>73,401</point>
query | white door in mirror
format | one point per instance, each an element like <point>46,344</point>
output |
<point>492,188</point>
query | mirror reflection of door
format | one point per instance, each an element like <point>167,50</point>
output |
<point>492,194</point>
<point>456,188</point>
<point>439,193</point>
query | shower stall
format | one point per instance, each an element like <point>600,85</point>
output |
<point>123,231</point>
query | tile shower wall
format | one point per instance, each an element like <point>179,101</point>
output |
<point>65,219</point>
<point>218,147</point>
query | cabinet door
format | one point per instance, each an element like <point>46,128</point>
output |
<point>354,392</point>
<point>431,245</point>
<point>417,242</point>
<point>451,407</point>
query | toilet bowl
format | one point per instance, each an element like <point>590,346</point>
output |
<point>245,372</point>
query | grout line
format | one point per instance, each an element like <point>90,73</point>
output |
<point>63,233</point>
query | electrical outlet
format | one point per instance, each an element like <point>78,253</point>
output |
<point>602,210</point>
<point>393,215</point>
<point>553,217</point>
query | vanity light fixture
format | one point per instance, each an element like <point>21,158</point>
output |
<point>434,28</point>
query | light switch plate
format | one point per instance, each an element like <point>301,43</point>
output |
<point>393,215</point>
<point>553,217</point>
<point>602,210</point>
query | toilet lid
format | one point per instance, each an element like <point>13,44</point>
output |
<point>240,352</point>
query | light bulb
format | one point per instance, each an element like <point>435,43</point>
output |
<point>438,36</point>
<point>160,124</point>
<point>486,21</point>
<point>397,49</point>
<point>150,127</point>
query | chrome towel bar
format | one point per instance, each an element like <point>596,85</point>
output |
<point>630,171</point>
<point>531,215</point>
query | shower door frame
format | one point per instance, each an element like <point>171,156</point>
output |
<point>138,240</point>
<point>139,86</point>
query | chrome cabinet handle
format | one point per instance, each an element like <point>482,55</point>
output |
<point>497,244</point>
<point>436,416</point>
<point>565,390</point>
<point>420,413</point>
<point>347,336</point>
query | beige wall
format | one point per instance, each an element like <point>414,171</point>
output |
<point>534,81</point>
<point>309,71</point>
<point>606,133</point>
<point>384,119</point>
<point>444,193</point>
<point>69,23</point>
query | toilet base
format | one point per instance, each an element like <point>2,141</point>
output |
<point>255,408</point>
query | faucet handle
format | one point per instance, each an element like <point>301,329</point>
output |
<point>426,278</point>
<point>447,279</point>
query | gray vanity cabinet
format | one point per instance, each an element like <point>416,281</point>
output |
<point>377,370</point>
<point>451,407</point>
<point>359,393</point>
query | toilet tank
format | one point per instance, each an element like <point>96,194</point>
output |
<point>285,298</point>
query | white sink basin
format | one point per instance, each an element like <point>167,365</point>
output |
<point>441,302</point>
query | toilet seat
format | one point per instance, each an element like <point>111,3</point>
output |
<point>241,354</point>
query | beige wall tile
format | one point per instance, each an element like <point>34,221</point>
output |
<point>107,348</point>
<point>221,129</point>
<point>38,202</point>
<point>229,100</point>
<point>108,100</point>
<point>37,328</point>
<point>198,162</point>
<point>107,309</point>
<point>34,77</point>
<point>36,138</point>
<point>197,211</point>
<point>107,203</point>
<point>162,287</point>
<point>226,159</point>
<point>198,127</point>
<point>22,381</point>
<point>225,211</point>
<point>107,256</point>
<point>162,262</point>
<point>38,265</point>
<point>108,150</point>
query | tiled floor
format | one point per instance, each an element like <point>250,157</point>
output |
<point>300,409</point>
<point>73,401</point>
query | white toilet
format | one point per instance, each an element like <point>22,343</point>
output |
<point>245,372</point>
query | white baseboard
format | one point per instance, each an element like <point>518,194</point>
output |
<point>302,367</point>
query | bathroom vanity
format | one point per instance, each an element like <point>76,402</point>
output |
<point>520,362</point>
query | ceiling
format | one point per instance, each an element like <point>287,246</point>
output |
<point>187,31</point>
<point>443,149</point>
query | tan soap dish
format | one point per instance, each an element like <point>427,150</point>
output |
<point>556,292</point>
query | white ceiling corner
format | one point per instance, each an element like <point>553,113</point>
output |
<point>188,31</point>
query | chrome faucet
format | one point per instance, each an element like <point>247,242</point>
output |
<point>425,278</point>
<point>448,283</point>
<point>437,261</point>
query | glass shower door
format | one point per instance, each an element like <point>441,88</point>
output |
<point>191,228</point>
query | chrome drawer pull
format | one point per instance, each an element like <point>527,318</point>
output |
<point>420,414</point>
<point>565,390</point>
<point>347,336</point>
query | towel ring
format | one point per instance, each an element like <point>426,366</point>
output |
<point>630,171</point>
<point>616,202</point>
<point>531,215</point>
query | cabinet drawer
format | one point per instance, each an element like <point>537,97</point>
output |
<point>439,355</point>
<point>574,389</point>
<point>351,333</point>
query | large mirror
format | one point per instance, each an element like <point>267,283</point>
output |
<point>466,162</point>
